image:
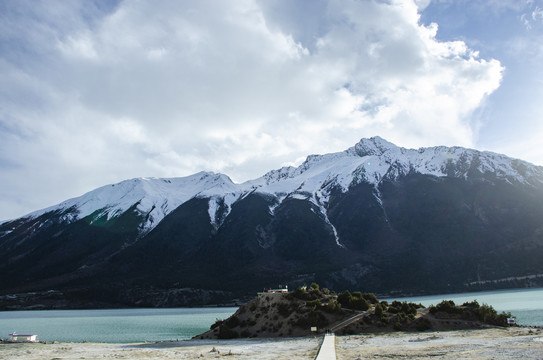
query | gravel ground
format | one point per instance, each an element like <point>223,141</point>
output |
<point>512,343</point>
<point>296,348</point>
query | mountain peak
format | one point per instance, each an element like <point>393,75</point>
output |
<point>154,198</point>
<point>373,146</point>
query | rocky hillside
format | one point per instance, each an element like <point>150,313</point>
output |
<point>296,313</point>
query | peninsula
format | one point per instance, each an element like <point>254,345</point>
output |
<point>305,311</point>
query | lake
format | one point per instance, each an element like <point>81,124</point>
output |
<point>138,325</point>
<point>524,304</point>
<point>115,325</point>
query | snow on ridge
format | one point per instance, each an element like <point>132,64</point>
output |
<point>320,199</point>
<point>154,198</point>
<point>436,160</point>
<point>215,204</point>
<point>370,160</point>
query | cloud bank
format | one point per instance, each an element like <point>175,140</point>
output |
<point>93,95</point>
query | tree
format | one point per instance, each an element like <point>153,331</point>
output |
<point>344,298</point>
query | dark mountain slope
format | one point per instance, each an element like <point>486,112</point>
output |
<point>376,217</point>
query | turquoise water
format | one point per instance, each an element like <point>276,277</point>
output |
<point>138,325</point>
<point>524,304</point>
<point>117,326</point>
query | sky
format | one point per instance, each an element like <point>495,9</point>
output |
<point>96,92</point>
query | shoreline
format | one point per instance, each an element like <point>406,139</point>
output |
<point>12,301</point>
<point>492,343</point>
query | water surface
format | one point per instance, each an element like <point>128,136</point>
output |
<point>524,304</point>
<point>138,325</point>
<point>117,326</point>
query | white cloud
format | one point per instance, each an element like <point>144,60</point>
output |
<point>171,88</point>
<point>537,14</point>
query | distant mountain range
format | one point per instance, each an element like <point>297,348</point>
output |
<point>376,217</point>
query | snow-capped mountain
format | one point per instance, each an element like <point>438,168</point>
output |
<point>152,198</point>
<point>370,161</point>
<point>375,216</point>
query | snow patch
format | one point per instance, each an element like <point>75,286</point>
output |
<point>320,199</point>
<point>214,205</point>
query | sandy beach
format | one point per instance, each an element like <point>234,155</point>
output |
<point>512,343</point>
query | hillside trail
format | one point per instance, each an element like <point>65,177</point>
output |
<point>348,321</point>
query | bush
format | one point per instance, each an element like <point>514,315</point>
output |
<point>393,309</point>
<point>314,304</point>
<point>218,322</point>
<point>488,315</point>
<point>353,301</point>
<point>472,304</point>
<point>344,298</point>
<point>357,294</point>
<point>446,306</point>
<point>371,298</point>
<point>397,326</point>
<point>378,310</point>
<point>283,309</point>
<point>409,308</point>
<point>300,293</point>
<point>359,304</point>
<point>226,333</point>
<point>232,322</point>
<point>332,306</point>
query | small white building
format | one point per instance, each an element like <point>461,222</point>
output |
<point>22,338</point>
<point>282,289</point>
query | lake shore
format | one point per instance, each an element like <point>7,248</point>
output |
<point>495,343</point>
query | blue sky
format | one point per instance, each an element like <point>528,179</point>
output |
<point>95,92</point>
<point>511,31</point>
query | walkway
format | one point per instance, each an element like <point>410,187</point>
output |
<point>328,348</point>
<point>349,321</point>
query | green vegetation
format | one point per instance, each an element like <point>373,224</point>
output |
<point>403,308</point>
<point>295,313</point>
<point>332,306</point>
<point>471,311</point>
<point>446,306</point>
<point>225,328</point>
<point>355,301</point>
